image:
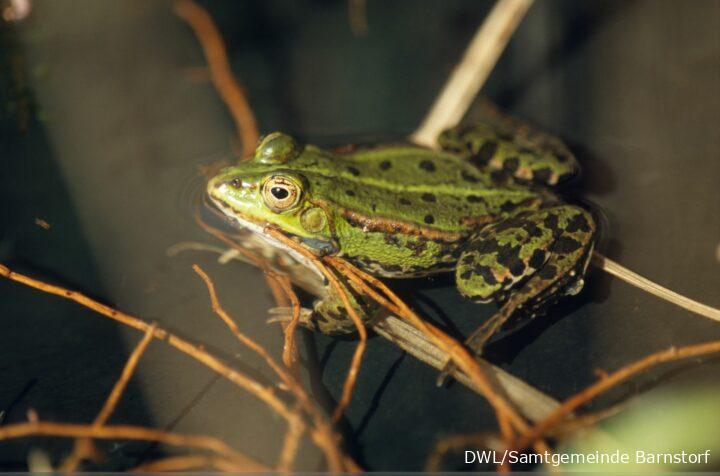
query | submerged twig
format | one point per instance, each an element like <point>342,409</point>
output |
<point>220,72</point>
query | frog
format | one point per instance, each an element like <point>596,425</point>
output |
<point>482,205</point>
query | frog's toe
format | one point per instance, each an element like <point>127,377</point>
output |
<point>575,287</point>
<point>285,314</point>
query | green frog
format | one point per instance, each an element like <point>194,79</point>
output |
<point>481,207</point>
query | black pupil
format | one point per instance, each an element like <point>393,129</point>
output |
<point>280,193</point>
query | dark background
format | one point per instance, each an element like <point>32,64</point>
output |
<point>105,121</point>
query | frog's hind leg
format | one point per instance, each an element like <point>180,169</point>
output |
<point>526,262</point>
<point>510,147</point>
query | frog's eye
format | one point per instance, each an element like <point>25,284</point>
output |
<point>280,193</point>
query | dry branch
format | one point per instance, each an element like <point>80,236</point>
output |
<point>641,282</point>
<point>470,74</point>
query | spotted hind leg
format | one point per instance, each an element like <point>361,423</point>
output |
<point>526,262</point>
<point>504,145</point>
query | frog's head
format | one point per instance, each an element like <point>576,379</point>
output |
<point>267,190</point>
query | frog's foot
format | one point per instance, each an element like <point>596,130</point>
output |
<point>285,314</point>
<point>528,261</point>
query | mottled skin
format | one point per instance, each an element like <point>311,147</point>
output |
<point>481,208</point>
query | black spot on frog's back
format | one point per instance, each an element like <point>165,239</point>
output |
<point>429,219</point>
<point>353,170</point>
<point>486,152</point>
<point>468,177</point>
<point>428,197</point>
<point>473,199</point>
<point>385,165</point>
<point>428,165</point>
<point>508,206</point>
<point>511,164</point>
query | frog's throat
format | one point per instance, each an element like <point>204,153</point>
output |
<point>258,228</point>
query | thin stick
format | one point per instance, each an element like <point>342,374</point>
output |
<point>289,348</point>
<point>606,383</point>
<point>357,16</point>
<point>472,71</point>
<point>187,463</point>
<point>220,312</point>
<point>83,447</point>
<point>265,394</point>
<point>125,376</point>
<point>222,77</point>
<point>128,432</point>
<point>291,444</point>
<point>620,271</point>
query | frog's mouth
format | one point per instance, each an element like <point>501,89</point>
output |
<point>259,228</point>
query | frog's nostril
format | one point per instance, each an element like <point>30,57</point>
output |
<point>235,183</point>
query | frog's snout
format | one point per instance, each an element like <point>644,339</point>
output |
<point>214,184</point>
<point>218,183</point>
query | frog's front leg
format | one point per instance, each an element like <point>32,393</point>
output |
<point>329,314</point>
<point>519,151</point>
<point>527,262</point>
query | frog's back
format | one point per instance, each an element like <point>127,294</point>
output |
<point>422,187</point>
